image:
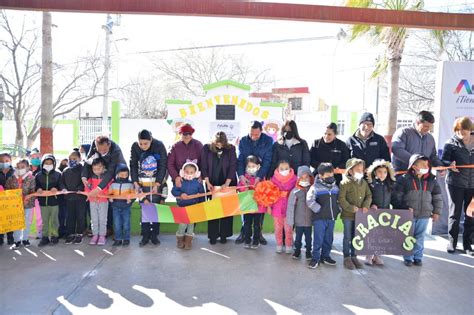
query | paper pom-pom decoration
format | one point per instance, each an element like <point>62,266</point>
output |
<point>266,193</point>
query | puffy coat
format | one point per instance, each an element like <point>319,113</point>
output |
<point>455,150</point>
<point>297,154</point>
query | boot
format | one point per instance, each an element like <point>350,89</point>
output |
<point>348,264</point>
<point>378,260</point>
<point>241,238</point>
<point>188,241</point>
<point>180,241</point>
<point>145,234</point>
<point>357,263</point>
<point>369,260</point>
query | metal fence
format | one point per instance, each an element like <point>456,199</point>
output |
<point>89,128</point>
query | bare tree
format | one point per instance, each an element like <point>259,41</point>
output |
<point>190,70</point>
<point>46,144</point>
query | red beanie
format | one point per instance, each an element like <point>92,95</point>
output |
<point>186,128</point>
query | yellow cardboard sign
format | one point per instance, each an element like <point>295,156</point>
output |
<point>12,214</point>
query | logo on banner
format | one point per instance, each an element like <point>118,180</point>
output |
<point>464,84</point>
<point>465,89</point>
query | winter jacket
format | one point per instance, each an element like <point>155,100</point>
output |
<point>92,183</point>
<point>455,150</point>
<point>262,148</point>
<point>337,153</point>
<point>181,153</point>
<point>381,191</point>
<point>406,142</point>
<point>121,186</point>
<point>423,194</point>
<point>297,154</point>
<point>5,176</point>
<point>28,186</point>
<point>281,205</point>
<point>188,187</point>
<point>241,186</point>
<point>229,163</point>
<point>298,213</point>
<point>112,159</point>
<point>322,199</point>
<point>47,181</point>
<point>71,180</point>
<point>375,147</point>
<point>156,154</point>
<point>353,193</point>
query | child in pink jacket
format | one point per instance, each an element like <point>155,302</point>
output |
<point>285,179</point>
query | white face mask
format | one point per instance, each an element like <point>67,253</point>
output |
<point>48,168</point>
<point>423,171</point>
<point>21,171</point>
<point>189,177</point>
<point>358,176</point>
<point>304,184</point>
<point>252,170</point>
<point>284,173</point>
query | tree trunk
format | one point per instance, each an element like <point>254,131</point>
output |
<point>394,75</point>
<point>19,135</point>
<point>46,130</point>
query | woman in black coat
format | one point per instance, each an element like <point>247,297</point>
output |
<point>330,149</point>
<point>460,182</point>
<point>219,168</point>
<point>290,147</point>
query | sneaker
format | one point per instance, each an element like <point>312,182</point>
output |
<point>240,239</point>
<point>94,240</point>
<point>313,264</point>
<point>70,239</point>
<point>255,244</point>
<point>143,242</point>
<point>469,252</point>
<point>309,256</point>
<point>408,263</point>
<point>101,241</point>
<point>54,240</point>
<point>296,254</point>
<point>247,245</point>
<point>223,240</point>
<point>78,239</point>
<point>15,246</point>
<point>126,242</point>
<point>26,243</point>
<point>155,241</point>
<point>418,262</point>
<point>44,241</point>
<point>288,250</point>
<point>348,264</point>
<point>262,240</point>
<point>213,241</point>
<point>279,249</point>
<point>451,248</point>
<point>357,263</point>
<point>328,261</point>
<point>117,243</point>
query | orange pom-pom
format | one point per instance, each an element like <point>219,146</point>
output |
<point>266,193</point>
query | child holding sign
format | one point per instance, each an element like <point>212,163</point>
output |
<point>381,179</point>
<point>190,186</point>
<point>419,192</point>
<point>23,179</point>
<point>354,195</point>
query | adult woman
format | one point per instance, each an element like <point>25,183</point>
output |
<point>330,149</point>
<point>219,168</point>
<point>460,150</point>
<point>290,147</point>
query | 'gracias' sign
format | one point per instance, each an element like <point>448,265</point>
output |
<point>384,232</point>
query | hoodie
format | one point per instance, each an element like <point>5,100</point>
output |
<point>121,186</point>
<point>47,180</point>
<point>422,194</point>
<point>298,213</point>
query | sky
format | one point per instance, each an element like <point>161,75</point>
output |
<point>334,70</point>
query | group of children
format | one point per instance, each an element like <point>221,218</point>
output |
<point>309,204</point>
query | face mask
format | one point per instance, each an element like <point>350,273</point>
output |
<point>284,173</point>
<point>423,171</point>
<point>358,176</point>
<point>35,162</point>
<point>48,168</point>
<point>105,154</point>
<point>330,180</point>
<point>289,135</point>
<point>5,165</point>
<point>188,177</point>
<point>21,171</point>
<point>304,184</point>
<point>73,163</point>
<point>252,170</point>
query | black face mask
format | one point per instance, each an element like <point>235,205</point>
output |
<point>219,149</point>
<point>329,180</point>
<point>289,135</point>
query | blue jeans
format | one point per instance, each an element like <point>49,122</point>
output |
<point>419,231</point>
<point>300,230</point>
<point>349,232</point>
<point>323,238</point>
<point>121,223</point>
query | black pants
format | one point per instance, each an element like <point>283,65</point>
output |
<point>459,199</point>
<point>110,218</point>
<point>220,228</point>
<point>150,229</point>
<point>254,219</point>
<point>62,217</point>
<point>76,216</point>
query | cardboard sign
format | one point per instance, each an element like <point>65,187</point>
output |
<point>12,214</point>
<point>384,232</point>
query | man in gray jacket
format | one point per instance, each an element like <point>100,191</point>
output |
<point>415,140</point>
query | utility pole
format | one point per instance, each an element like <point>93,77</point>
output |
<point>46,129</point>
<point>105,105</point>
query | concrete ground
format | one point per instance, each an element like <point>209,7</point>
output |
<point>226,279</point>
